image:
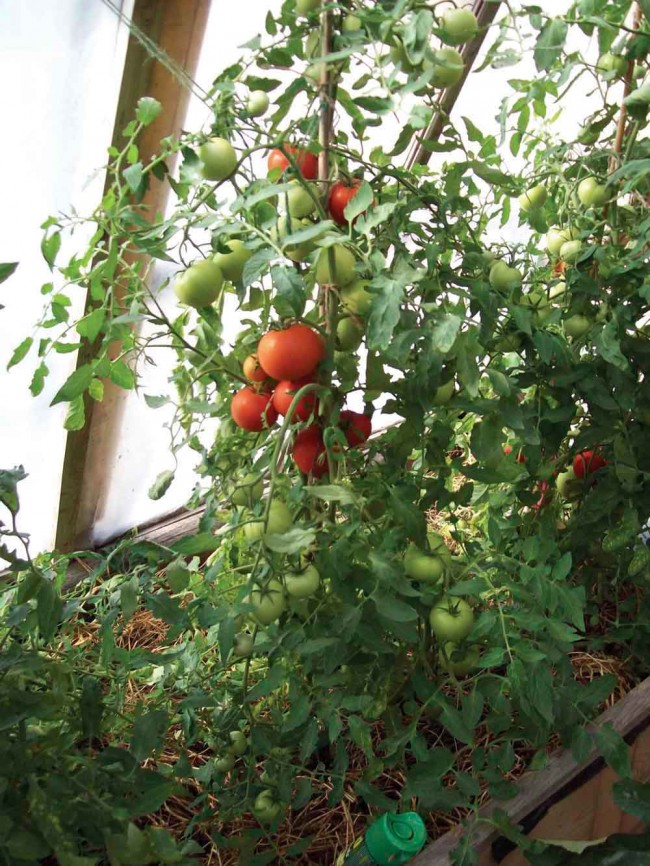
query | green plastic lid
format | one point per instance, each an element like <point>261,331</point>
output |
<point>395,839</point>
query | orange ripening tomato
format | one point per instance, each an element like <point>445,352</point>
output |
<point>587,462</point>
<point>309,452</point>
<point>291,353</point>
<point>307,162</point>
<point>283,397</point>
<point>340,194</point>
<point>252,410</point>
<point>356,427</point>
<point>253,371</point>
<point>559,268</point>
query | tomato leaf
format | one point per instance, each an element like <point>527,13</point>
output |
<point>75,417</point>
<point>6,270</point>
<point>392,608</point>
<point>161,484</point>
<point>360,202</point>
<point>385,310</point>
<point>147,109</point>
<point>20,352</point>
<point>614,749</point>
<point>290,297</point>
<point>332,493</point>
<point>148,732</point>
<point>91,325</point>
<point>75,385</point>
<point>550,43</point>
<point>293,541</point>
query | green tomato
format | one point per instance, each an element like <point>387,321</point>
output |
<point>224,763</point>
<point>351,24</point>
<point>249,491</point>
<point>306,7</point>
<point>200,285</point>
<point>576,326</point>
<point>591,193</point>
<point>238,743</point>
<point>451,619</point>
<point>570,251</point>
<point>437,545</point>
<point>266,808</point>
<point>504,278</point>
<point>568,486</point>
<point>342,273</point>
<point>458,26</point>
<point>533,199</point>
<point>424,567</point>
<point>232,263</point>
<point>355,299</point>
<point>556,237</point>
<point>557,290</point>
<point>244,643</point>
<point>258,103</point>
<point>302,584</point>
<point>458,662</point>
<point>300,203</point>
<point>349,335</point>
<point>218,158</point>
<point>443,394</point>
<point>510,342</point>
<point>280,520</point>
<point>611,65</point>
<point>177,575</point>
<point>313,44</point>
<point>268,603</point>
<point>448,67</point>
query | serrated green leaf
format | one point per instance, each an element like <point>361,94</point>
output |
<point>75,417</point>
<point>6,270</point>
<point>75,385</point>
<point>293,541</point>
<point>147,109</point>
<point>20,352</point>
<point>161,484</point>
<point>550,43</point>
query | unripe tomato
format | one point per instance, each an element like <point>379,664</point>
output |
<point>306,7</point>
<point>355,299</point>
<point>252,411</point>
<point>533,199</point>
<point>253,370</point>
<point>285,227</point>
<point>306,162</point>
<point>249,491</point>
<point>309,453</point>
<point>280,521</point>
<point>224,763</point>
<point>448,67</point>
<point>556,237</point>
<point>576,326</point>
<point>283,397</point>
<point>218,158</point>
<point>244,643</point>
<point>291,353</point>
<point>503,278</point>
<point>457,661</point>
<point>451,619</point>
<point>302,584</point>
<point>356,426</point>
<point>567,485</point>
<point>340,194</point>
<point>458,26</point>
<point>269,602</point>
<point>349,334</point>
<point>591,193</point>
<point>427,568</point>
<point>443,394</point>
<point>238,743</point>
<point>258,103</point>
<point>612,65</point>
<point>570,251</point>
<point>335,266</point>
<point>300,203</point>
<point>232,263</point>
<point>587,462</point>
<point>266,808</point>
<point>200,284</point>
<point>351,24</point>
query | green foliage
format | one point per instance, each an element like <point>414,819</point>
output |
<point>468,364</point>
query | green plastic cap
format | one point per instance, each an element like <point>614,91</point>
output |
<point>395,839</point>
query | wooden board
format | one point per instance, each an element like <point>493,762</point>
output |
<point>565,800</point>
<point>178,28</point>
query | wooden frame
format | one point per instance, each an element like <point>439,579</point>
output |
<point>178,28</point>
<point>566,800</point>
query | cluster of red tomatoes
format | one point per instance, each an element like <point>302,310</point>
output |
<point>341,192</point>
<point>286,360</point>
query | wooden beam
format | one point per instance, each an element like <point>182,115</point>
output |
<point>485,11</point>
<point>177,27</point>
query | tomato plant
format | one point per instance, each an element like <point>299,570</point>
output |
<point>379,599</point>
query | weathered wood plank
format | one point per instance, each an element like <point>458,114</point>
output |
<point>630,717</point>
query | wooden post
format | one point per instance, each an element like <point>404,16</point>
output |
<point>178,28</point>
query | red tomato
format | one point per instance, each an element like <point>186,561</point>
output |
<point>252,411</point>
<point>587,462</point>
<point>507,449</point>
<point>253,370</point>
<point>356,427</point>
<point>283,397</point>
<point>291,353</point>
<point>309,451</point>
<point>340,194</point>
<point>307,162</point>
